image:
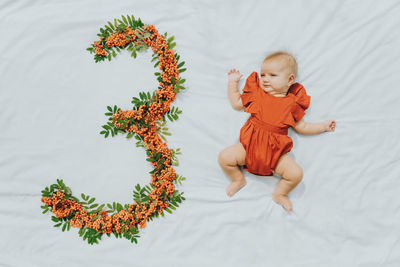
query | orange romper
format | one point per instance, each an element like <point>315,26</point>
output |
<point>264,135</point>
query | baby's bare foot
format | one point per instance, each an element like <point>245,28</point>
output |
<point>284,201</point>
<point>234,187</point>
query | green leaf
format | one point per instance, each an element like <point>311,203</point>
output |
<point>130,20</point>
<point>170,39</point>
<point>108,28</point>
<point>112,26</point>
<point>121,22</point>
<point>181,64</point>
<point>168,210</point>
<point>172,45</point>
<point>138,35</point>
<point>124,19</point>
<point>119,207</point>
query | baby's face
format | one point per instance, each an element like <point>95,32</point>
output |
<point>275,76</point>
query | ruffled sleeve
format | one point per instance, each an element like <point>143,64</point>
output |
<point>250,94</point>
<point>302,101</point>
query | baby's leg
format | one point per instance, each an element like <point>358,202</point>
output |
<point>229,159</point>
<point>292,174</point>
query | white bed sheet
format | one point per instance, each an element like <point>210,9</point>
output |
<point>53,97</point>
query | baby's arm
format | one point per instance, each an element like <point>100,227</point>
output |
<point>233,90</point>
<point>309,128</point>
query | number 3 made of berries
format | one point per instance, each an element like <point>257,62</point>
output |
<point>146,122</point>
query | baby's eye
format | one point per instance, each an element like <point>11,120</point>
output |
<point>273,75</point>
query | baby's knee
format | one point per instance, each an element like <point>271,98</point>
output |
<point>226,157</point>
<point>223,157</point>
<point>295,174</point>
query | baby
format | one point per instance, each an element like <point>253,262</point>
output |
<point>276,103</point>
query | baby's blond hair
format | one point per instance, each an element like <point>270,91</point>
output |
<point>289,58</point>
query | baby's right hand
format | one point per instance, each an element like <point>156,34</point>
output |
<point>234,75</point>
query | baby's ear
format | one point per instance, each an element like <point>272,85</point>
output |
<point>291,79</point>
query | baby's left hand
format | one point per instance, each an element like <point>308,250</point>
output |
<point>329,125</point>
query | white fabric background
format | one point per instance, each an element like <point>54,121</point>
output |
<point>53,97</point>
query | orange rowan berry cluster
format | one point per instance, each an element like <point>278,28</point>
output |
<point>98,47</point>
<point>118,39</point>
